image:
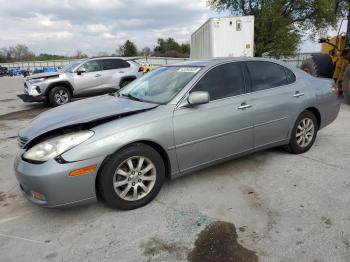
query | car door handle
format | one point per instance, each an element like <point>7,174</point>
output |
<point>244,106</point>
<point>98,75</point>
<point>298,94</point>
<point>122,72</point>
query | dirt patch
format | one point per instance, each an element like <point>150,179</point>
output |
<point>3,196</point>
<point>6,100</point>
<point>23,114</point>
<point>243,228</point>
<point>155,247</point>
<point>254,197</point>
<point>345,238</point>
<point>218,243</point>
<point>257,200</point>
<point>327,222</point>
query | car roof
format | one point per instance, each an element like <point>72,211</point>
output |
<point>106,57</point>
<point>220,60</point>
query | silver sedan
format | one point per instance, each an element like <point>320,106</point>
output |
<point>172,121</point>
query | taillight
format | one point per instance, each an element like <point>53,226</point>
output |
<point>141,69</point>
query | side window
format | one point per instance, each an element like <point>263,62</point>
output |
<point>265,75</point>
<point>290,76</point>
<point>109,64</point>
<point>222,81</point>
<point>91,66</point>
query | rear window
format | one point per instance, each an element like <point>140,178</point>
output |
<point>265,75</point>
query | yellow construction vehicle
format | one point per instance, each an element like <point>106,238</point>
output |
<point>333,61</point>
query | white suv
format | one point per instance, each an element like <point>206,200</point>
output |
<point>94,76</point>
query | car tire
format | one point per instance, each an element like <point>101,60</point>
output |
<point>346,85</point>
<point>119,179</point>
<point>303,134</point>
<point>59,95</point>
<point>319,65</point>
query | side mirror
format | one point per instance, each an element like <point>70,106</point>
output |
<point>81,70</point>
<point>198,98</point>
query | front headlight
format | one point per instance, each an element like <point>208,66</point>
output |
<point>55,146</point>
<point>37,80</point>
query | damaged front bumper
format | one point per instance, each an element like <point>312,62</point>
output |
<point>29,98</point>
<point>48,184</point>
<point>33,92</point>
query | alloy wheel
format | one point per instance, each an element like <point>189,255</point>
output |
<point>134,178</point>
<point>61,97</point>
<point>305,132</point>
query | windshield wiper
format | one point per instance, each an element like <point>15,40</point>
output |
<point>128,95</point>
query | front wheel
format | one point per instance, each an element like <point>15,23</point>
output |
<point>59,95</point>
<point>303,134</point>
<point>132,177</point>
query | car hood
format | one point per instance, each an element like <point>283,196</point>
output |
<point>42,75</point>
<point>85,111</point>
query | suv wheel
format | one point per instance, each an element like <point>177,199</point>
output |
<point>132,177</point>
<point>303,134</point>
<point>59,95</point>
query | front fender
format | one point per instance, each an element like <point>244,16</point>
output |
<point>154,126</point>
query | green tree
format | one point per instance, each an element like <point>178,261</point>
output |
<point>166,45</point>
<point>45,57</point>
<point>281,24</point>
<point>128,49</point>
<point>170,46</point>
<point>185,48</point>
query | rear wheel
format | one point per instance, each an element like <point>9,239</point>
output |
<point>59,95</point>
<point>303,134</point>
<point>132,177</point>
<point>346,85</point>
<point>319,65</point>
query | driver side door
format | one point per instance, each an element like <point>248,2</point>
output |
<point>90,80</point>
<point>219,129</point>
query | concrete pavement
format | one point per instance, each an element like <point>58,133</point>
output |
<point>282,207</point>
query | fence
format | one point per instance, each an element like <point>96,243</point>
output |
<point>295,60</point>
<point>31,65</point>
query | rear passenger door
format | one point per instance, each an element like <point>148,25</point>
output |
<point>219,129</point>
<point>114,70</point>
<point>275,107</point>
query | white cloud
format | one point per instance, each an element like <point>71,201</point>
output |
<point>96,28</point>
<point>53,35</point>
<point>62,26</point>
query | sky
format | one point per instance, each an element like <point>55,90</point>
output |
<point>94,26</point>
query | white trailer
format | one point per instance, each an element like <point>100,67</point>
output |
<point>224,37</point>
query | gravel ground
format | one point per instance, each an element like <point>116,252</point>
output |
<point>270,206</point>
